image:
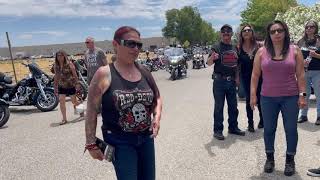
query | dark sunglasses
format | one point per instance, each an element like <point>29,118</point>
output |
<point>131,43</point>
<point>310,27</point>
<point>276,30</point>
<point>226,31</point>
<point>87,42</point>
<point>246,30</point>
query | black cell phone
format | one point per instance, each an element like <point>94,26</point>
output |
<point>107,149</point>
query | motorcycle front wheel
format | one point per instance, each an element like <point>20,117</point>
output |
<point>81,92</point>
<point>46,105</point>
<point>4,115</point>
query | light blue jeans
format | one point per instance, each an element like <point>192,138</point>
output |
<point>312,78</point>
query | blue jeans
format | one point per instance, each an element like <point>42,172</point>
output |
<point>224,89</point>
<point>271,106</point>
<point>134,156</point>
<point>312,78</point>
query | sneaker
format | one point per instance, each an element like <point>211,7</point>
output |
<point>314,172</point>
<point>218,136</point>
<point>303,119</point>
<point>237,132</point>
<point>317,121</point>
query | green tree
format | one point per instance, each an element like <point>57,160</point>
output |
<point>260,12</point>
<point>187,25</point>
<point>296,17</point>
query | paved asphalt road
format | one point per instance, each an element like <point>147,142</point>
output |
<point>33,146</point>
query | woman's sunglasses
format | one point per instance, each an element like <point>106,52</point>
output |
<point>310,27</point>
<point>131,43</point>
<point>246,30</point>
<point>276,30</point>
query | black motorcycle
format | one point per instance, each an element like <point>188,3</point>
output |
<point>32,90</point>
<point>198,59</point>
<point>4,112</point>
<point>82,86</point>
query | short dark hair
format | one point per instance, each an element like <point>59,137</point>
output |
<point>120,32</point>
<point>286,44</point>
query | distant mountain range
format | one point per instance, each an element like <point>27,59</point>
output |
<point>76,48</point>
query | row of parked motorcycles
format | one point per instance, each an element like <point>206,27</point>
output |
<point>174,60</point>
<point>36,89</point>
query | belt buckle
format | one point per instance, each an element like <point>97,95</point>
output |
<point>229,78</point>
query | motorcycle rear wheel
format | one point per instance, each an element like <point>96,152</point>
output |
<point>4,115</point>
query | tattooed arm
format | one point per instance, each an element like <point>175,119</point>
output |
<point>99,84</point>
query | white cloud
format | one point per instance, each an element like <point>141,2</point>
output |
<point>51,33</point>
<point>150,28</point>
<point>149,9</point>
<point>25,36</point>
<point>102,28</point>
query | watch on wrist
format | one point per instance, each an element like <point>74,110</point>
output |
<point>303,94</point>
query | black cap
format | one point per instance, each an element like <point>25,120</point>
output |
<point>226,26</point>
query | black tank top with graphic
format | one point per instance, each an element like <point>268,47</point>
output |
<point>126,105</point>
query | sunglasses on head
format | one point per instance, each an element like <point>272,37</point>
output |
<point>310,27</point>
<point>276,30</point>
<point>131,43</point>
<point>246,30</point>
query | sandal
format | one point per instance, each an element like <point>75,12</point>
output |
<point>63,122</point>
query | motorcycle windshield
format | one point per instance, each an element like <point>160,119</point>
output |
<point>174,52</point>
<point>35,70</point>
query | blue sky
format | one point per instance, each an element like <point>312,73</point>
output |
<point>38,22</point>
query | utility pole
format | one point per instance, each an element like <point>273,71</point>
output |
<point>14,70</point>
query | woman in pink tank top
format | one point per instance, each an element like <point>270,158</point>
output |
<point>283,90</point>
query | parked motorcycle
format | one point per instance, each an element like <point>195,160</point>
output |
<point>4,112</point>
<point>32,90</point>
<point>198,60</point>
<point>177,66</point>
<point>82,86</point>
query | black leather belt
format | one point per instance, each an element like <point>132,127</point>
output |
<point>224,77</point>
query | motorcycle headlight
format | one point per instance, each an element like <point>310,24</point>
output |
<point>44,79</point>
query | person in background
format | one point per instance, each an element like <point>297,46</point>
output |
<point>310,46</point>
<point>225,80</point>
<point>248,47</point>
<point>65,80</point>
<point>94,58</point>
<point>283,90</point>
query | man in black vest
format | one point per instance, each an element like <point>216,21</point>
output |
<point>225,80</point>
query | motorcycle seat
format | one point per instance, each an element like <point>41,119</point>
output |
<point>10,86</point>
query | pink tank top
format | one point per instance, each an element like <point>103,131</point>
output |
<point>279,77</point>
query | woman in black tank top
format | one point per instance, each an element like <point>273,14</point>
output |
<point>131,110</point>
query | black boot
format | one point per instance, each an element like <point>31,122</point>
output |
<point>251,127</point>
<point>269,165</point>
<point>260,125</point>
<point>290,167</point>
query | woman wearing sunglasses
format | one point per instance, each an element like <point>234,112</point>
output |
<point>248,47</point>
<point>131,110</point>
<point>310,46</point>
<point>283,90</point>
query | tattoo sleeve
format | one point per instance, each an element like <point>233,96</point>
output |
<point>93,107</point>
